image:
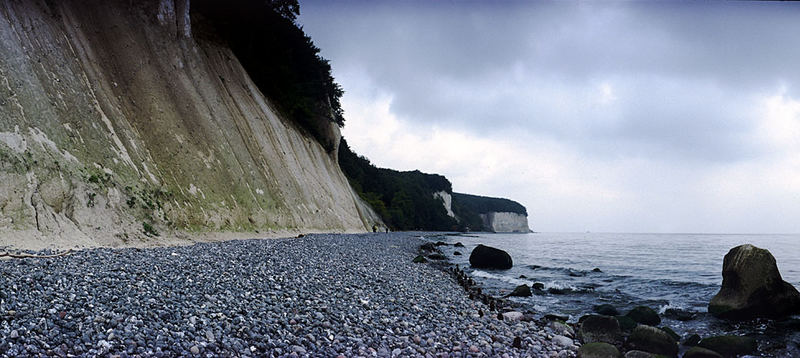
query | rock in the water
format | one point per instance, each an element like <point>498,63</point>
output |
<point>419,259</point>
<point>437,256</point>
<point>697,352</point>
<point>679,314</point>
<point>440,243</point>
<point>598,350</point>
<point>458,244</point>
<point>692,340</point>
<point>457,253</point>
<point>639,354</point>
<point>626,323</point>
<point>596,328</point>
<point>490,258</point>
<point>521,291</point>
<point>653,340</point>
<point>538,286</point>
<point>729,346</point>
<point>644,315</point>
<point>752,287</point>
<point>606,310</point>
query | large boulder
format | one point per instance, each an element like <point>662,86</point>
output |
<point>644,315</point>
<point>596,328</point>
<point>752,287</point>
<point>653,340</point>
<point>729,346</point>
<point>490,258</point>
<point>598,350</point>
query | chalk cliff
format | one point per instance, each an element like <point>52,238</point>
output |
<point>118,124</point>
<point>505,222</point>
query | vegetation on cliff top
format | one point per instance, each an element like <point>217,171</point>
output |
<point>280,58</point>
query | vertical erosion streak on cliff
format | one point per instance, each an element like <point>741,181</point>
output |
<point>123,119</point>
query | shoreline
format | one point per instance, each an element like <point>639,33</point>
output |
<point>319,295</point>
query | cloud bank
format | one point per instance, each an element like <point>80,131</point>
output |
<point>643,117</point>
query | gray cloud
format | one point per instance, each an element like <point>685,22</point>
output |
<point>684,74</point>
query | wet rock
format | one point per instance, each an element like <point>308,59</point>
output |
<point>521,291</point>
<point>729,346</point>
<point>670,332</point>
<point>653,340</point>
<point>697,352</point>
<point>752,287</point>
<point>644,315</point>
<point>490,258</point>
<point>639,354</point>
<point>441,243</point>
<point>606,310</point>
<point>692,340</point>
<point>598,350</point>
<point>555,317</point>
<point>596,269</point>
<point>458,244</point>
<point>679,314</point>
<point>419,259</point>
<point>626,323</point>
<point>429,247</point>
<point>537,286</point>
<point>437,256</point>
<point>457,253</point>
<point>596,328</point>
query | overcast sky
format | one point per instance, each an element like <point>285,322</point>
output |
<point>599,116</point>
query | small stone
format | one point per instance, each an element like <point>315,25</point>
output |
<point>14,334</point>
<point>474,349</point>
<point>396,352</point>
<point>194,350</point>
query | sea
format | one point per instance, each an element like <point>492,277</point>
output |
<point>662,271</point>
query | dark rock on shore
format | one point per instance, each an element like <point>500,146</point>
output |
<point>626,323</point>
<point>692,340</point>
<point>644,315</point>
<point>521,291</point>
<point>653,340</point>
<point>596,328</point>
<point>729,346</point>
<point>752,287</point>
<point>697,352</point>
<point>490,258</point>
<point>639,354</point>
<point>419,259</point>
<point>671,333</point>
<point>598,350</point>
<point>606,310</point>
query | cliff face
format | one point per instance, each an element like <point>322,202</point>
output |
<point>505,222</point>
<point>116,122</point>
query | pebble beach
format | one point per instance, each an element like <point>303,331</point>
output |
<point>321,295</point>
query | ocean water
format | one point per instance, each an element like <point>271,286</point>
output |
<point>658,270</point>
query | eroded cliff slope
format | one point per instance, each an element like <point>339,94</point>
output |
<point>118,124</point>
